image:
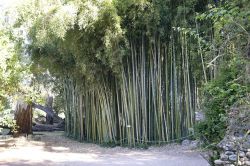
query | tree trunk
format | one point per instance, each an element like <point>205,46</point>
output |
<point>48,104</point>
<point>48,111</point>
<point>23,117</point>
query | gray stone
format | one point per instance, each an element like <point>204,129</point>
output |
<point>243,159</point>
<point>185,142</point>
<point>243,149</point>
<point>242,154</point>
<point>194,144</point>
<point>199,116</point>
<point>246,145</point>
<point>229,146</point>
<point>233,157</point>
<point>224,157</point>
<point>246,159</point>
<point>219,162</point>
<point>229,153</point>
<point>4,131</point>
<point>247,163</point>
<point>248,154</point>
<point>221,144</point>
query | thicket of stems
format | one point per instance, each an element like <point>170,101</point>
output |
<point>152,102</point>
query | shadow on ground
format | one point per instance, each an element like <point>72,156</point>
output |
<point>55,149</point>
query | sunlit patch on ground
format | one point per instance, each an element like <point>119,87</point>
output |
<point>54,149</point>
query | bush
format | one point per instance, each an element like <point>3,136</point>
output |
<point>219,95</point>
<point>7,120</point>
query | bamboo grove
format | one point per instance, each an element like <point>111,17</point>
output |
<point>152,103</point>
<point>129,74</point>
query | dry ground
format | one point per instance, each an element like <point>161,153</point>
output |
<point>55,149</point>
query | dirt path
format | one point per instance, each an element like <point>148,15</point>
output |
<point>54,149</point>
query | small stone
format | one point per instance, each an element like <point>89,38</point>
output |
<point>229,146</point>
<point>221,144</point>
<point>247,163</point>
<point>219,162</point>
<point>243,149</point>
<point>248,154</point>
<point>246,145</point>
<point>245,159</point>
<point>233,157</point>
<point>242,154</point>
<point>223,157</point>
<point>229,153</point>
<point>185,142</point>
<point>242,159</point>
<point>199,116</point>
<point>194,144</point>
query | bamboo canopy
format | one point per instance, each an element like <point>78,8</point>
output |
<point>132,72</point>
<point>126,68</point>
<point>154,100</point>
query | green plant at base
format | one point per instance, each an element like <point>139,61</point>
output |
<point>7,120</point>
<point>219,95</point>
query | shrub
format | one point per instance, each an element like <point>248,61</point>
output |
<point>219,95</point>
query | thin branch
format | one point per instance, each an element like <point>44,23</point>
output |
<point>211,62</point>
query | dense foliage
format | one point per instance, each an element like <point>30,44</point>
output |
<point>124,69</point>
<point>130,72</point>
<point>229,85</point>
<point>220,95</point>
<point>10,73</point>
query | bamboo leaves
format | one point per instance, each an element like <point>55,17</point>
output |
<point>152,103</point>
<point>128,79</point>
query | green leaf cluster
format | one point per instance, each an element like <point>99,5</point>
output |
<point>229,85</point>
<point>76,38</point>
<point>219,95</point>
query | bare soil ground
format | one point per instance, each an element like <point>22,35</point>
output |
<point>55,149</point>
